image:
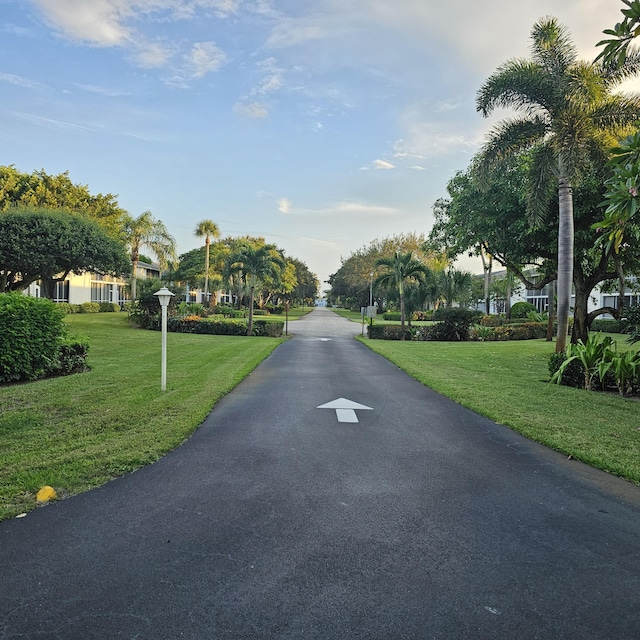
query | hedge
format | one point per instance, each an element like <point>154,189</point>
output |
<point>33,342</point>
<point>388,332</point>
<point>220,327</point>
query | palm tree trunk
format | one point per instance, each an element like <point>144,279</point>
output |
<point>401,289</point>
<point>251,294</point>
<point>206,269</point>
<point>134,276</point>
<point>565,259</point>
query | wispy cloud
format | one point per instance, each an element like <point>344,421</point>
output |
<point>345,208</point>
<point>21,82</point>
<point>103,91</point>
<point>253,110</point>
<point>51,122</point>
<point>383,164</point>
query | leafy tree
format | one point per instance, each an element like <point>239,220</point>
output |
<point>254,263</point>
<point>568,114</point>
<point>454,285</point>
<point>207,229</point>
<point>616,48</point>
<point>43,191</point>
<point>46,245</point>
<point>146,231</point>
<point>400,269</point>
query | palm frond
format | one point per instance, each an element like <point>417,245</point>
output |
<point>543,177</point>
<point>508,138</point>
<point>552,47</point>
<point>519,84</point>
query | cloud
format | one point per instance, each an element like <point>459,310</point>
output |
<point>253,110</point>
<point>19,81</point>
<point>322,244</point>
<point>203,58</point>
<point>110,93</point>
<point>383,164</point>
<point>284,205</point>
<point>343,208</point>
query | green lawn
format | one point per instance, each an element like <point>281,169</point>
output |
<point>507,382</point>
<point>76,432</point>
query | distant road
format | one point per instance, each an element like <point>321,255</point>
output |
<point>277,520</point>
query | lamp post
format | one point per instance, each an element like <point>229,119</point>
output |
<point>164,296</point>
<point>371,288</point>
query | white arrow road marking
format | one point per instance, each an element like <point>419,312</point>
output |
<point>345,409</point>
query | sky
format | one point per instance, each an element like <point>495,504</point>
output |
<point>320,125</point>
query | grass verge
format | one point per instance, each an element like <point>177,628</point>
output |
<point>507,382</point>
<point>77,432</point>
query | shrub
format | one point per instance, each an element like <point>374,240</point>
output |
<point>522,309</point>
<point>268,328</point>
<point>609,326</point>
<point>422,316</point>
<point>482,333</point>
<point>260,312</point>
<point>89,307</point>
<point>108,307</point>
<point>190,309</point>
<point>68,308</point>
<point>521,331</point>
<point>388,332</point>
<point>391,316</point>
<point>32,331</point>
<point>71,358</point>
<point>573,374</point>
<point>491,321</point>
<point>454,323</point>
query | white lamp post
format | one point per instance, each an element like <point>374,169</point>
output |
<point>164,296</point>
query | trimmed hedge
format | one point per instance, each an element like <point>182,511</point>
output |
<point>609,326</point>
<point>523,331</point>
<point>391,316</point>
<point>522,309</point>
<point>387,332</point>
<point>89,307</point>
<point>108,307</point>
<point>220,327</point>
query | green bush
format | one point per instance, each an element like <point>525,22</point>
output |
<point>388,332</point>
<point>268,328</point>
<point>260,312</point>
<point>522,309</point>
<point>32,331</point>
<point>521,331</point>
<point>422,316</point>
<point>482,333</point>
<point>391,316</point>
<point>89,307</point>
<point>633,324</point>
<point>68,308</point>
<point>572,376</point>
<point>71,358</point>
<point>491,321</point>
<point>453,323</point>
<point>609,326</point>
<point>190,309</point>
<point>108,307</point>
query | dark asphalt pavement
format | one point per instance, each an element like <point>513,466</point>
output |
<point>420,521</point>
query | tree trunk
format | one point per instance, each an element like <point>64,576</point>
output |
<point>507,302</point>
<point>47,286</point>
<point>565,258</point>
<point>134,276</point>
<point>551,308</point>
<point>487,267</point>
<point>251,294</point>
<point>401,311</point>
<point>580,316</point>
<point>206,270</point>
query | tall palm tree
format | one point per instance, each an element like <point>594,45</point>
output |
<point>454,285</point>
<point>401,268</point>
<point>567,115</point>
<point>207,229</point>
<point>255,262</point>
<point>146,231</point>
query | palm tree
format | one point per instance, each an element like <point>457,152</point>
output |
<point>567,116</point>
<point>255,262</point>
<point>207,229</point>
<point>402,267</point>
<point>454,285</point>
<point>146,231</point>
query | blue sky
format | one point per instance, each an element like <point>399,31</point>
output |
<point>318,124</point>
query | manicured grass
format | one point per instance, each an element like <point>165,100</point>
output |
<point>77,432</point>
<point>507,382</point>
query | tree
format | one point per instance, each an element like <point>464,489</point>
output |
<point>567,114</point>
<point>207,229</point>
<point>454,286</point>
<point>496,218</point>
<point>43,191</point>
<point>254,262</point>
<point>402,267</point>
<point>616,48</point>
<point>146,231</point>
<point>46,245</point>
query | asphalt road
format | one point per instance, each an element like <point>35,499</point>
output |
<point>275,520</point>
